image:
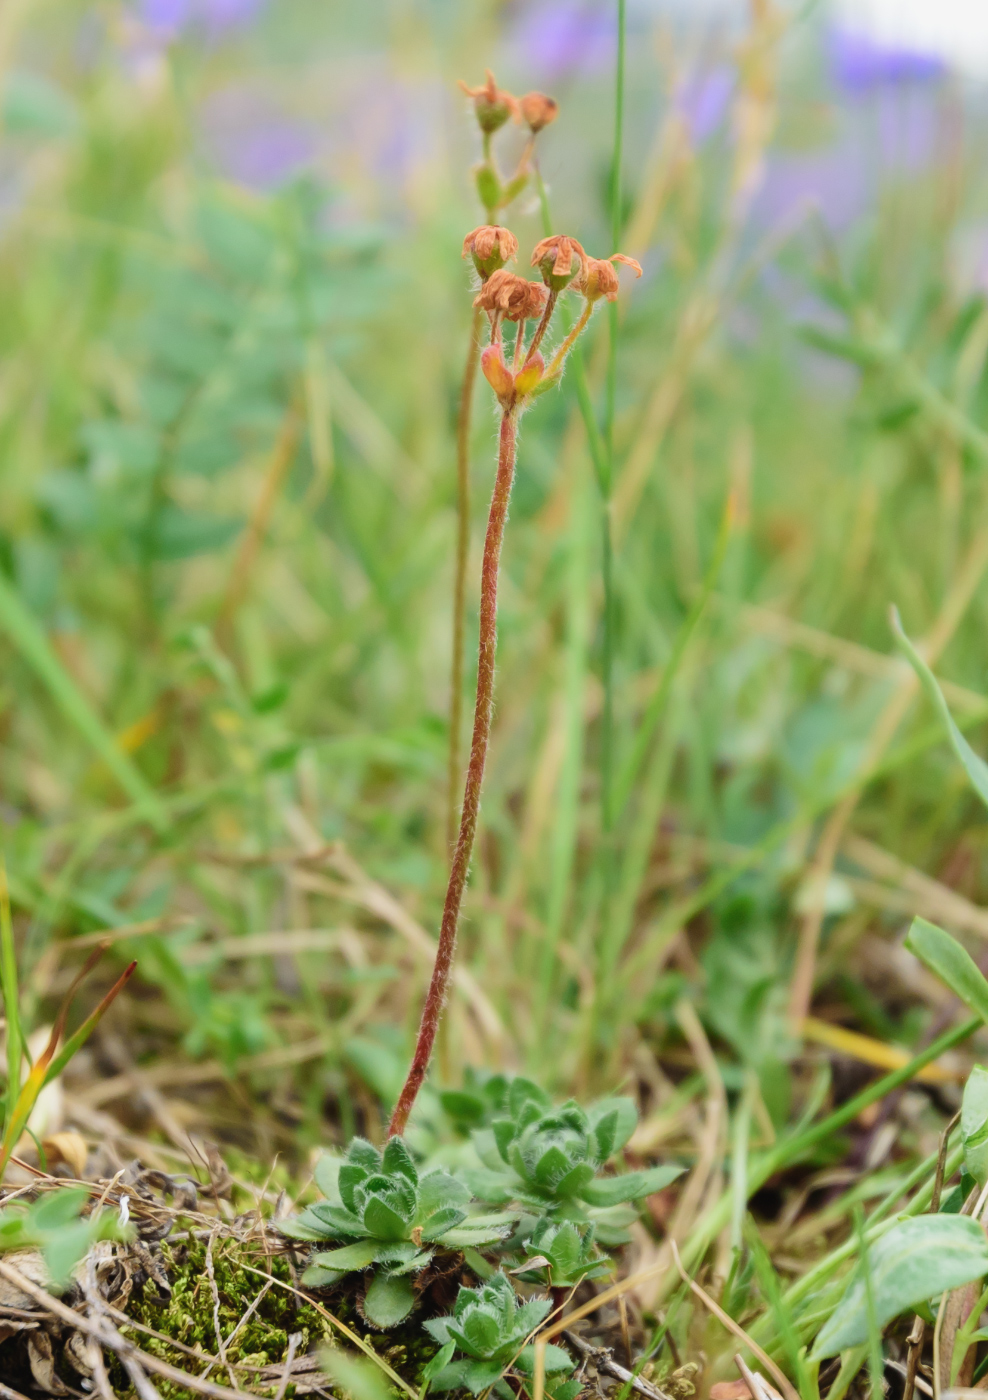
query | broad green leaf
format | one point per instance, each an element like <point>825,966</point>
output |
<point>439,1190</point>
<point>384,1222</point>
<point>348,1257</point>
<point>491,1186</point>
<point>556,1360</point>
<point>317,1277</point>
<point>975,767</point>
<point>442,1358</point>
<point>974,1124</point>
<point>303,1227</point>
<point>480,1376</point>
<point>389,1300</point>
<point>33,103</point>
<point>451,1376</point>
<point>326,1173</point>
<point>944,956</point>
<point>397,1158</point>
<point>914,1261</point>
<point>576,1180</point>
<point>612,1190</point>
<point>472,1236</point>
<point>442,1220</point>
<point>356,1377</point>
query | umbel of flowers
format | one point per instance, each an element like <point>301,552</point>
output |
<point>505,296</point>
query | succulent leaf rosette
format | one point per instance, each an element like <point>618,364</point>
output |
<point>550,1160</point>
<point>562,1254</point>
<point>491,1327</point>
<point>386,1216</point>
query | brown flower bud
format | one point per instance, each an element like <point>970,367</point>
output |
<point>492,105</point>
<point>554,259</point>
<point>490,246</point>
<point>513,297</point>
<point>538,110</point>
<point>600,279</point>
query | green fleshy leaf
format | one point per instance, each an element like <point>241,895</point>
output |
<point>389,1300</point>
<point>613,1190</point>
<point>383,1221</point>
<point>317,1277</point>
<point>349,1257</point>
<point>556,1360</point>
<point>327,1174</point>
<point>397,1158</point>
<point>440,1190</point>
<point>915,1260</point>
<point>441,1359</point>
<point>436,1226</point>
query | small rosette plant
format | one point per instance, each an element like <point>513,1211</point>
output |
<point>482,1098</point>
<point>387,1217</point>
<point>551,1161</point>
<point>562,1254</point>
<point>491,1326</point>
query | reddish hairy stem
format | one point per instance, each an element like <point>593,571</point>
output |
<point>460,580</point>
<point>460,866</point>
<point>543,325</point>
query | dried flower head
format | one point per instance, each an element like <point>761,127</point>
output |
<point>490,246</point>
<point>600,279</point>
<point>554,258</point>
<point>514,298</point>
<point>492,105</point>
<point>538,111</point>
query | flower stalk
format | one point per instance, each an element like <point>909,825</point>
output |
<point>495,246</point>
<point>436,995</point>
<point>503,296</point>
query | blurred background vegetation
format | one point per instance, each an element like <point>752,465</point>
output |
<point>233,318</point>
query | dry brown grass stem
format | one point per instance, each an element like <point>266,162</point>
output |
<point>955,605</point>
<point>785,1385</point>
<point>851,655</point>
<point>712,1135</point>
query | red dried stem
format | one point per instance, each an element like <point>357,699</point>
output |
<point>436,995</point>
<point>460,580</point>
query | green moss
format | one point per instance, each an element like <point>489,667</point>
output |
<point>187,1316</point>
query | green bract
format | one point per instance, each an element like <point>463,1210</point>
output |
<point>491,1327</point>
<point>550,1160</point>
<point>385,1214</point>
<point>568,1249</point>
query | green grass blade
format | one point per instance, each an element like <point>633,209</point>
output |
<point>26,635</point>
<point>657,704</point>
<point>975,767</point>
<point>952,963</point>
<point>567,805</point>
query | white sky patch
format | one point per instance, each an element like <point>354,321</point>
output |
<point>954,30</point>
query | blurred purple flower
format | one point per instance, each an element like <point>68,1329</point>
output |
<point>860,62</point>
<point>252,142</point>
<point>702,100</point>
<point>563,36</point>
<point>836,180</point>
<point>170,18</point>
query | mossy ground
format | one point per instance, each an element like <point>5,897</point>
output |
<point>188,1317</point>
